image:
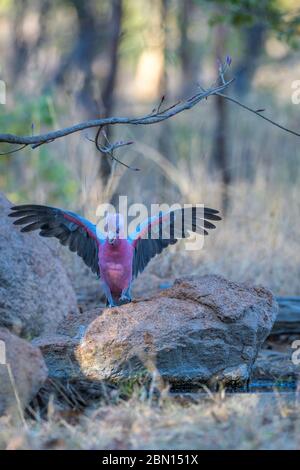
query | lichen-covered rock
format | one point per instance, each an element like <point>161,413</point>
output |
<point>203,329</point>
<point>22,373</point>
<point>35,291</point>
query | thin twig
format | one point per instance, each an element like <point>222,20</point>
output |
<point>42,143</point>
<point>160,103</point>
<point>110,148</point>
<point>13,151</point>
<point>258,113</point>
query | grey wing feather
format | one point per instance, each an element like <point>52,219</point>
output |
<point>190,221</point>
<point>69,228</point>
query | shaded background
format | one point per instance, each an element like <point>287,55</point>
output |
<point>65,61</point>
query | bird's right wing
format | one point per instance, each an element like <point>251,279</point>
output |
<point>72,230</point>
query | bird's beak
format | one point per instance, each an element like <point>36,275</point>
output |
<point>111,237</point>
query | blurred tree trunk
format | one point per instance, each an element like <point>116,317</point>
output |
<point>94,33</point>
<point>253,39</point>
<point>165,132</point>
<point>164,9</point>
<point>220,156</point>
<point>86,48</point>
<point>22,53</point>
<point>108,93</point>
<point>188,62</point>
<point>20,46</point>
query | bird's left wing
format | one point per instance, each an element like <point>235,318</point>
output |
<point>158,232</point>
<point>72,230</point>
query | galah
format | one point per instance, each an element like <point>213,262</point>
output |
<point>116,259</point>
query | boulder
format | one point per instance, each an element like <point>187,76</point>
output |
<point>202,330</point>
<point>59,354</point>
<point>276,367</point>
<point>22,373</point>
<point>35,291</point>
<point>288,318</point>
<point>67,381</point>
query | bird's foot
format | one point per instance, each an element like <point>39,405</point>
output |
<point>125,295</point>
<point>125,298</point>
<point>110,304</point>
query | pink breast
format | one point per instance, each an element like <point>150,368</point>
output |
<point>115,276</point>
<point>116,266</point>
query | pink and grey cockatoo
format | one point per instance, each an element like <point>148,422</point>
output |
<point>115,258</point>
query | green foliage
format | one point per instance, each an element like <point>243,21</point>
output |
<point>56,174</point>
<point>25,114</point>
<point>135,385</point>
<point>25,118</point>
<point>240,13</point>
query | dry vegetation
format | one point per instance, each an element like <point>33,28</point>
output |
<point>211,422</point>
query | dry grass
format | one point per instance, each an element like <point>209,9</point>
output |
<point>212,422</point>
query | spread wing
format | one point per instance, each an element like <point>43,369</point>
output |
<point>71,230</point>
<point>165,229</point>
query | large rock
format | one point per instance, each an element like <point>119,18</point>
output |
<point>204,329</point>
<point>59,354</point>
<point>276,367</point>
<point>288,318</point>
<point>35,291</point>
<point>22,373</point>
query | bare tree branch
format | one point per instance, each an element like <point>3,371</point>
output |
<point>152,118</point>
<point>157,115</point>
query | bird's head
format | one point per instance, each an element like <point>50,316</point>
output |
<point>114,227</point>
